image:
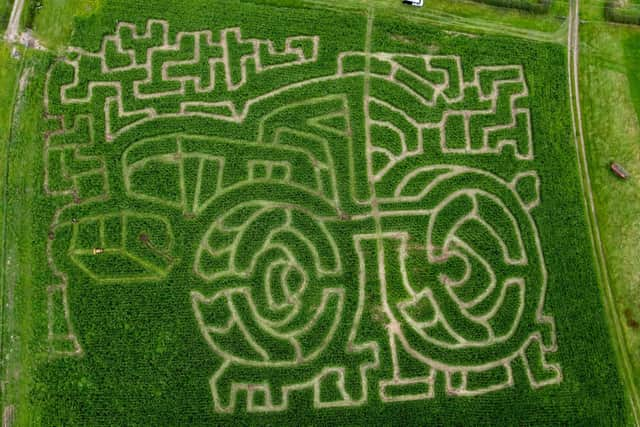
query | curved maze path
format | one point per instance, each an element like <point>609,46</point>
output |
<point>349,246</point>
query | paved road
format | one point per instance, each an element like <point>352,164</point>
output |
<point>573,52</point>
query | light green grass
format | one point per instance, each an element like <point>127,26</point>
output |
<point>610,76</point>
<point>9,69</point>
<point>54,21</point>
<point>9,75</point>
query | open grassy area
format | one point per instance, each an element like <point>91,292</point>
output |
<point>239,213</point>
<point>466,16</point>
<point>610,96</point>
<point>52,20</point>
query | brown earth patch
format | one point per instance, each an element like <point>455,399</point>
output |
<point>631,321</point>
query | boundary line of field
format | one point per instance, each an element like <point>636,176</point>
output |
<point>620,346</point>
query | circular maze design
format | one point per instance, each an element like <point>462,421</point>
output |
<point>345,240</point>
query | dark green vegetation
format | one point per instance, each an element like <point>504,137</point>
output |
<point>5,13</point>
<point>624,12</point>
<point>33,6</point>
<point>141,198</point>
<point>535,6</point>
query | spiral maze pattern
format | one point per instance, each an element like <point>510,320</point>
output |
<point>287,252</point>
<point>470,310</point>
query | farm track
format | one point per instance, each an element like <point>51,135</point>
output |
<point>573,53</point>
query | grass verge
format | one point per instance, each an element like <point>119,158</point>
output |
<point>609,89</point>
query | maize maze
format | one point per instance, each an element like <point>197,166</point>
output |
<point>331,227</point>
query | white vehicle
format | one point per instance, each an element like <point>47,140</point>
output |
<point>416,3</point>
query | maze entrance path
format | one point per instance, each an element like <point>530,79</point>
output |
<point>345,241</point>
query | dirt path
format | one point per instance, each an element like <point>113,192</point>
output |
<point>13,29</point>
<point>573,52</point>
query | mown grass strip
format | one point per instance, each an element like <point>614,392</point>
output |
<point>10,70</point>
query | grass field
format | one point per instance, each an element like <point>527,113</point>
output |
<point>611,107</point>
<point>9,72</point>
<point>53,22</point>
<point>465,16</point>
<point>243,213</point>
<point>19,184</point>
